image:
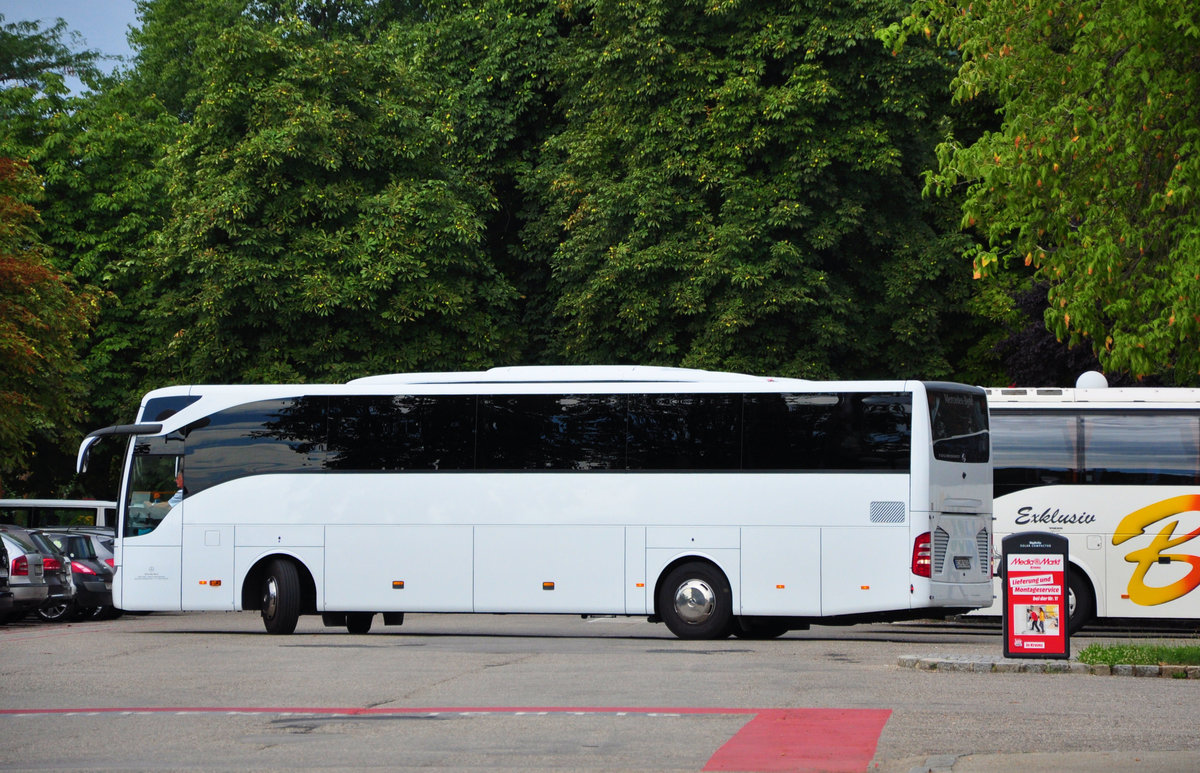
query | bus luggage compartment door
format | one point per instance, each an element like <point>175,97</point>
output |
<point>208,567</point>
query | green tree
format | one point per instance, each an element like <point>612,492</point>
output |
<point>40,318</point>
<point>739,188</point>
<point>33,64</point>
<point>1091,178</point>
<point>492,64</point>
<point>167,64</point>
<point>316,230</point>
<point>105,200</point>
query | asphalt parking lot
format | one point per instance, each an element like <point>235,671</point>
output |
<point>211,691</point>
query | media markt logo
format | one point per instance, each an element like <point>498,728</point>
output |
<point>1135,524</point>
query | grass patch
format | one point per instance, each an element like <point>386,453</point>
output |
<point>1141,654</point>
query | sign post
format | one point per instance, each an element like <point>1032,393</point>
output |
<point>1035,595</point>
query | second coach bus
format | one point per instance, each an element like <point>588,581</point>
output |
<point>717,503</point>
<point>1117,472</point>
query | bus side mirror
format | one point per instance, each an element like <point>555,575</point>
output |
<point>81,459</point>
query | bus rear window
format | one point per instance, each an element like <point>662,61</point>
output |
<point>959,422</point>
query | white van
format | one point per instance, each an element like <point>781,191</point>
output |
<point>41,513</point>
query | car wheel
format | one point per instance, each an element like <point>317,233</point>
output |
<point>106,613</point>
<point>85,613</point>
<point>281,597</point>
<point>56,611</point>
<point>696,603</point>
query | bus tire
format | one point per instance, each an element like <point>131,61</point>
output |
<point>359,622</point>
<point>1081,600</point>
<point>281,597</point>
<point>696,603</point>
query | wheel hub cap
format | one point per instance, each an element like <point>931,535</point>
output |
<point>695,601</point>
<point>270,598</point>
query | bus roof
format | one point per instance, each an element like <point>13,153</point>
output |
<point>1115,396</point>
<point>558,374</point>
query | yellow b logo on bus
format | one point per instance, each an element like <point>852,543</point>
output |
<point>1134,524</point>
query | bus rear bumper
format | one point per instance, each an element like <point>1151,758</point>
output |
<point>968,595</point>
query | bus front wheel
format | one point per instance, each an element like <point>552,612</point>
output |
<point>696,603</point>
<point>281,597</point>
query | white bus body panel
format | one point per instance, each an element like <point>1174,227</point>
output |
<point>782,572</point>
<point>433,563</point>
<point>585,566</point>
<point>208,566</point>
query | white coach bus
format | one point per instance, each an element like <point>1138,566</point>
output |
<point>1117,472</point>
<point>717,503</point>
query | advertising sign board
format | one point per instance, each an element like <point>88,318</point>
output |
<point>1035,596</point>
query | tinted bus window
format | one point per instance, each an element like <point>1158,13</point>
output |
<point>271,436</point>
<point>1033,448</point>
<point>402,432</point>
<point>828,431</point>
<point>162,408</point>
<point>1141,448</point>
<point>552,432</point>
<point>685,432</point>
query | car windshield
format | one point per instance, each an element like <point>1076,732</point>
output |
<point>74,545</point>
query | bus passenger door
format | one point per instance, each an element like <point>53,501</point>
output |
<point>207,567</point>
<point>148,555</point>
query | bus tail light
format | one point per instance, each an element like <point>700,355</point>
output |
<point>922,560</point>
<point>20,566</point>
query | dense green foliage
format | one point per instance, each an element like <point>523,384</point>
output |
<point>737,188</point>
<point>1092,176</point>
<point>321,189</point>
<point>316,230</point>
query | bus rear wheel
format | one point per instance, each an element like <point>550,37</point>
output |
<point>696,603</point>
<point>281,597</point>
<point>359,622</point>
<point>1081,601</point>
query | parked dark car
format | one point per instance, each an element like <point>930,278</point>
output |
<point>60,601</point>
<point>93,576</point>
<point>102,537</point>
<point>26,572</point>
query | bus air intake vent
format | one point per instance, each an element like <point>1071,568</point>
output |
<point>941,541</point>
<point>887,512</point>
<point>983,546</point>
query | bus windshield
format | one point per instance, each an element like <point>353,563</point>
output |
<point>959,422</point>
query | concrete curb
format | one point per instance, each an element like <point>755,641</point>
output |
<point>1002,665</point>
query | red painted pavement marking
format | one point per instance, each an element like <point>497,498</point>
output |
<point>804,740</point>
<point>799,740</point>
